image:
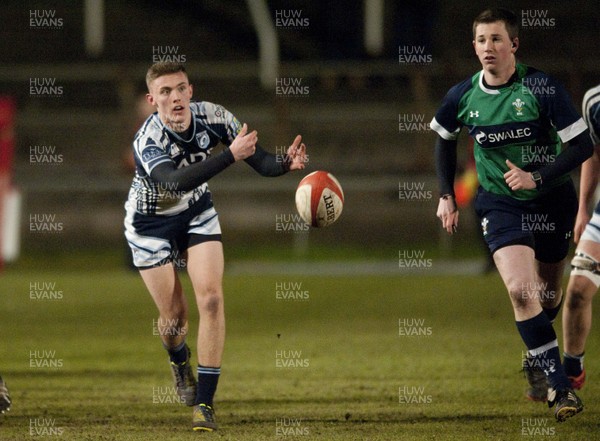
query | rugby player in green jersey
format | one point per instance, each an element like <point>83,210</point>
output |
<point>519,119</point>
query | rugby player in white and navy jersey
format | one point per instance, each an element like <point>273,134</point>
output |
<point>520,120</point>
<point>170,217</point>
<point>585,266</point>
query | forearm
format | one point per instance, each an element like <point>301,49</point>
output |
<point>445,162</point>
<point>194,175</point>
<point>579,149</point>
<point>268,164</point>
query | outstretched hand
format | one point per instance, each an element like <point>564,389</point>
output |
<point>518,179</point>
<point>297,154</point>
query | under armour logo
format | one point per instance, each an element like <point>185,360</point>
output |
<point>474,114</point>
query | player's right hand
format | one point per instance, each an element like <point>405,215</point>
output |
<point>448,214</point>
<point>244,144</point>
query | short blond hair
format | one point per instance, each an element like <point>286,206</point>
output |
<point>163,68</point>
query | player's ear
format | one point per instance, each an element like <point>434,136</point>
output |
<point>191,90</point>
<point>514,45</point>
<point>150,99</point>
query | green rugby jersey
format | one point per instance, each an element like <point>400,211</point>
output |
<point>525,121</point>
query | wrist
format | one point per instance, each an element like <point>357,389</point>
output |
<point>229,155</point>
<point>449,199</point>
<point>286,163</point>
<point>536,178</point>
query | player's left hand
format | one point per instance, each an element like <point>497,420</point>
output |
<point>518,179</point>
<point>297,154</point>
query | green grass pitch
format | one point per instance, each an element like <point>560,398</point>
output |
<point>353,358</point>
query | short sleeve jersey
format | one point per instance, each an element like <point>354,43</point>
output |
<point>155,143</point>
<point>525,121</point>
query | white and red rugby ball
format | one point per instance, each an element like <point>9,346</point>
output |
<point>319,199</point>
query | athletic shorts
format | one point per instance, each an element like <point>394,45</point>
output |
<point>592,229</point>
<point>158,240</point>
<point>544,224</point>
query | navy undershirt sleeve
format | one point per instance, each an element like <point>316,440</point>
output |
<point>194,175</point>
<point>268,164</point>
<point>579,149</point>
<point>445,163</point>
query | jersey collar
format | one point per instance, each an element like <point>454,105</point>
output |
<point>495,90</point>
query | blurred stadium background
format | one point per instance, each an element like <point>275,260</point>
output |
<point>75,72</point>
<point>357,92</point>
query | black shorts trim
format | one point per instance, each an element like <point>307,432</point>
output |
<point>525,241</point>
<point>196,239</point>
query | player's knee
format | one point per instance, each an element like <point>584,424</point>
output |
<point>211,300</point>
<point>521,297</point>
<point>577,295</point>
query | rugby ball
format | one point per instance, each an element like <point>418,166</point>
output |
<point>319,199</point>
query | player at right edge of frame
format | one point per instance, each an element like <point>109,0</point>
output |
<point>585,272</point>
<point>519,119</point>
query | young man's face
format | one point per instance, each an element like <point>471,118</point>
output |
<point>171,95</point>
<point>494,47</point>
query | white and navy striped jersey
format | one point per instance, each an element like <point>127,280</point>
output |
<point>591,112</point>
<point>156,143</point>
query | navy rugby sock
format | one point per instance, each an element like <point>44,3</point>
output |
<point>178,354</point>
<point>573,364</point>
<point>540,338</point>
<point>208,377</point>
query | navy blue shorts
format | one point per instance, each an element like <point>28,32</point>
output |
<point>158,240</point>
<point>544,224</point>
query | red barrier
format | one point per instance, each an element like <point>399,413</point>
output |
<point>7,150</point>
